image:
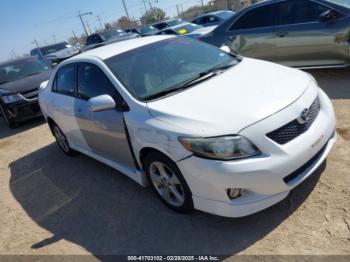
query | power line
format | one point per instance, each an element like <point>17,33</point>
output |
<point>126,10</point>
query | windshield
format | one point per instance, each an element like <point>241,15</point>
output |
<point>111,34</point>
<point>53,48</point>
<point>225,14</point>
<point>154,68</point>
<point>147,30</point>
<point>17,70</point>
<point>345,3</point>
<point>175,22</point>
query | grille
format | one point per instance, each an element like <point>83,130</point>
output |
<point>31,94</point>
<point>294,129</point>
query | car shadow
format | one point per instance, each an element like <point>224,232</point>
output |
<point>335,82</point>
<point>5,131</point>
<point>85,202</point>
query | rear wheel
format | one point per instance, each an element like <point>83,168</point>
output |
<point>168,182</point>
<point>62,141</point>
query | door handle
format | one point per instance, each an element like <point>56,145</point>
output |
<point>282,33</point>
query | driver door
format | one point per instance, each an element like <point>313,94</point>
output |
<point>104,132</point>
<point>302,39</point>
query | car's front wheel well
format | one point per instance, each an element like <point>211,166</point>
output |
<point>145,152</point>
<point>51,124</point>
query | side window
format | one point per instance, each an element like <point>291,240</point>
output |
<point>213,19</point>
<point>65,80</point>
<point>262,16</point>
<point>300,11</point>
<point>34,53</point>
<point>93,82</point>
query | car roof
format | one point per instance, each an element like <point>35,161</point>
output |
<point>107,51</point>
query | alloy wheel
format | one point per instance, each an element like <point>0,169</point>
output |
<point>61,139</point>
<point>167,184</point>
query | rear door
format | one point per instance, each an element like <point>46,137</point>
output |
<point>304,40</point>
<point>253,33</point>
<point>104,132</point>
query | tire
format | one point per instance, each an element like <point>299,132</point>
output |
<point>62,141</point>
<point>168,182</point>
<point>9,123</point>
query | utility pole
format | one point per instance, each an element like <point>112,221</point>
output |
<point>82,21</point>
<point>178,12</point>
<point>88,28</point>
<point>150,4</point>
<point>75,36</point>
<point>202,4</point>
<point>36,43</point>
<point>144,4</point>
<point>54,38</point>
<point>99,19</point>
<point>126,10</point>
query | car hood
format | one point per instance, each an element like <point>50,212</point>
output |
<point>25,84</point>
<point>204,30</point>
<point>225,104</point>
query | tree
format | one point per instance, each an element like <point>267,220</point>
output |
<point>153,15</point>
<point>125,23</point>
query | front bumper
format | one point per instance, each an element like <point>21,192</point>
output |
<point>22,111</point>
<point>263,178</point>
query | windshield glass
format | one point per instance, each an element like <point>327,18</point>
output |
<point>147,30</point>
<point>16,70</point>
<point>225,14</point>
<point>53,48</point>
<point>165,65</point>
<point>345,3</point>
<point>175,22</point>
<point>111,34</point>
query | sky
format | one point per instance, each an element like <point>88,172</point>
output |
<point>48,21</point>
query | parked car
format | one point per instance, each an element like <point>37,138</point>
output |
<point>213,18</point>
<point>298,33</point>
<point>56,53</point>
<point>188,29</point>
<point>168,23</point>
<point>108,37</point>
<point>200,128</point>
<point>147,30</point>
<point>19,88</point>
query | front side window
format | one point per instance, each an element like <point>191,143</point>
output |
<point>213,19</point>
<point>93,82</point>
<point>65,80</point>
<point>165,65</point>
<point>258,17</point>
<point>300,11</point>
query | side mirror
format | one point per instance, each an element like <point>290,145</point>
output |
<point>225,48</point>
<point>328,16</point>
<point>101,103</point>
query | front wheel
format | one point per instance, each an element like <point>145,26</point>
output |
<point>168,182</point>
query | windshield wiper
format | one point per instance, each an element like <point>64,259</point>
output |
<point>5,82</point>
<point>196,79</point>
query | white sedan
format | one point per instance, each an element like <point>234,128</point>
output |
<point>208,130</point>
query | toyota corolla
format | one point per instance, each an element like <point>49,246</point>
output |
<point>207,129</point>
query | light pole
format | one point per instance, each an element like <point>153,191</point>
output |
<point>82,21</point>
<point>126,10</point>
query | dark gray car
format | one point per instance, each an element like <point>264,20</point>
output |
<point>299,33</point>
<point>19,88</point>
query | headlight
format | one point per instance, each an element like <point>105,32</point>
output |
<point>220,148</point>
<point>11,99</point>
